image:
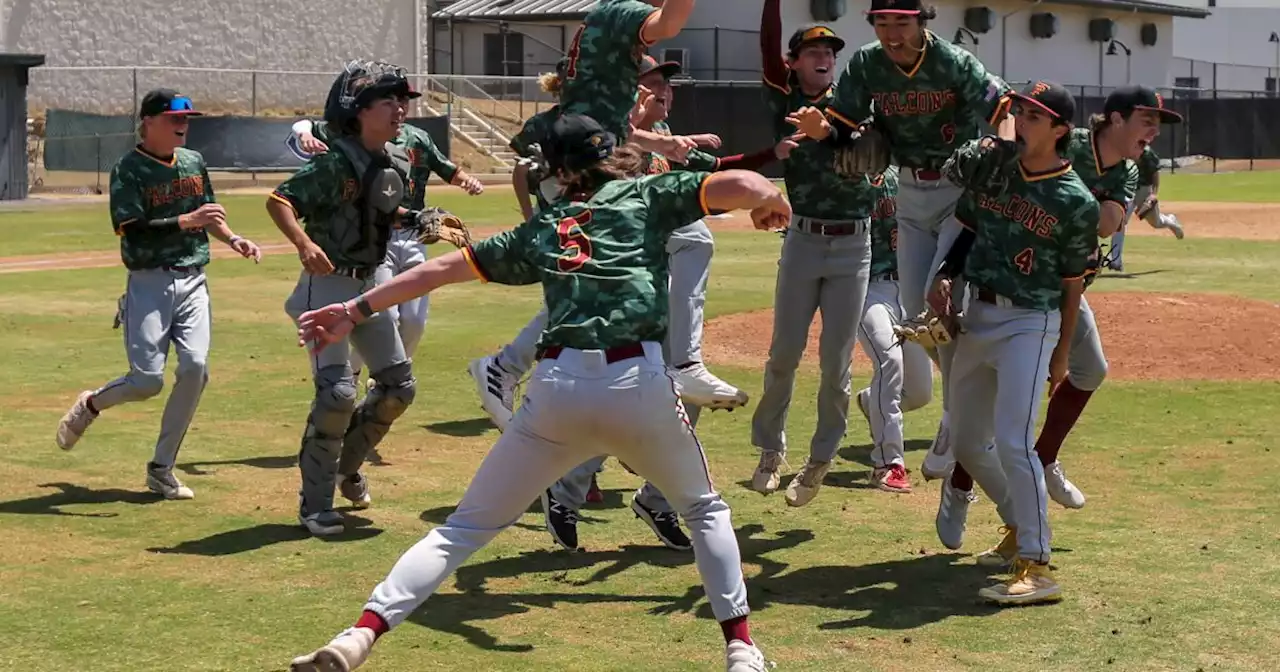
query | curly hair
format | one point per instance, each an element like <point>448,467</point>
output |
<point>626,162</point>
<point>551,83</point>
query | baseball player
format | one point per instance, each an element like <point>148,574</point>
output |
<point>404,250</point>
<point>163,209</point>
<point>1146,204</point>
<point>903,377</point>
<point>347,200</point>
<point>824,265</point>
<point>1030,235</point>
<point>601,382</point>
<point>530,186</point>
<point>690,249</point>
<point>927,96</point>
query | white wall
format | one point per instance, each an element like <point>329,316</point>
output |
<point>1234,37</point>
<point>231,34</point>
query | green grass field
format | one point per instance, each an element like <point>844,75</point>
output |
<point>1172,565</point>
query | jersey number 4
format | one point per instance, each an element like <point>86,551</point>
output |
<point>1025,260</point>
<point>574,242</point>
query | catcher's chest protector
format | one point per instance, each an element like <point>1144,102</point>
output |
<point>381,190</point>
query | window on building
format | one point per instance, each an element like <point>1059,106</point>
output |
<point>1186,87</point>
<point>1271,86</point>
<point>504,54</point>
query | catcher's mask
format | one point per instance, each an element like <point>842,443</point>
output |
<point>359,84</point>
<point>577,142</point>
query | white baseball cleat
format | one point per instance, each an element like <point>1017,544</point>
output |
<point>1060,489</point>
<point>864,398</point>
<point>953,513</point>
<point>76,420</point>
<point>700,387</point>
<point>161,481</point>
<point>940,460</point>
<point>767,478</point>
<point>346,652</point>
<point>1171,222</point>
<point>740,656</point>
<point>806,484</point>
<point>496,389</point>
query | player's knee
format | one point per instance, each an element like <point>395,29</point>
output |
<point>146,384</point>
<point>395,390</point>
<point>700,508</point>
<point>335,402</point>
<point>1091,378</point>
<point>193,368</point>
<point>916,396</point>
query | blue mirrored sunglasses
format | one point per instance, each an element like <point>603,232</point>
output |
<point>181,104</point>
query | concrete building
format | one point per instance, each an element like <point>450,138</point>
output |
<point>1236,49</point>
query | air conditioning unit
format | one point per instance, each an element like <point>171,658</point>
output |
<point>678,55</point>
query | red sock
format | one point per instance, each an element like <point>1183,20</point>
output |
<point>736,628</point>
<point>1065,407</point>
<point>960,479</point>
<point>374,622</point>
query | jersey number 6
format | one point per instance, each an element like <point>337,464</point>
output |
<point>1025,260</point>
<point>574,242</point>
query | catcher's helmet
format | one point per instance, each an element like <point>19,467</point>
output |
<point>359,84</point>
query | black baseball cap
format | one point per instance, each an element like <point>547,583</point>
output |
<point>167,102</point>
<point>577,142</point>
<point>807,35</point>
<point>1126,99</point>
<point>668,69</point>
<point>1051,97</point>
<point>906,7</point>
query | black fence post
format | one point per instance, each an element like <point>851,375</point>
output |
<point>715,57</point>
<point>98,161</point>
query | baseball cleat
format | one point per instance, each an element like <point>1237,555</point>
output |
<point>344,653</point>
<point>1031,583</point>
<point>1171,222</point>
<point>160,480</point>
<point>1002,554</point>
<point>766,479</point>
<point>561,521</point>
<point>665,524</point>
<point>892,478</point>
<point>355,488</point>
<point>953,513</point>
<point>1060,489</point>
<point>863,398</point>
<point>805,486</point>
<point>76,420</point>
<point>496,388</point>
<point>700,387</point>
<point>323,523</point>
<point>740,656</point>
<point>939,461</point>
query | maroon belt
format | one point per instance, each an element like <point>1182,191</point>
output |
<point>927,175</point>
<point>615,354</point>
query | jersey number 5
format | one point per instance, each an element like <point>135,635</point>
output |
<point>1025,260</point>
<point>574,242</point>
<point>575,49</point>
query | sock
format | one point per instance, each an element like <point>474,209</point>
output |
<point>374,622</point>
<point>960,479</point>
<point>1065,407</point>
<point>736,628</point>
<point>88,403</point>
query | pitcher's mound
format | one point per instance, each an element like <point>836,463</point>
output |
<point>1146,336</point>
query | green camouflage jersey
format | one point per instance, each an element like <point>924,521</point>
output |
<point>424,158</point>
<point>324,196</point>
<point>696,159</point>
<point>535,130</point>
<point>602,263</point>
<point>926,111</point>
<point>1042,230</point>
<point>1116,183</point>
<point>1148,167</point>
<point>603,74</point>
<point>813,187</point>
<point>146,188</point>
<point>884,224</point>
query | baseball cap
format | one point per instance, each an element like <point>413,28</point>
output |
<point>805,36</point>
<point>648,64</point>
<point>1126,99</point>
<point>1051,97</point>
<point>167,102</point>
<point>908,7</point>
<point>577,142</point>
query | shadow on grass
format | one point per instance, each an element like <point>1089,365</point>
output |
<point>262,462</point>
<point>266,534</point>
<point>1121,275</point>
<point>70,495</point>
<point>613,499</point>
<point>461,428</point>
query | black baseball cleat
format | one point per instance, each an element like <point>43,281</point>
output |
<point>562,522</point>
<point>664,524</point>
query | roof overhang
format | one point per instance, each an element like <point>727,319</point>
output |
<point>1138,7</point>
<point>515,11</point>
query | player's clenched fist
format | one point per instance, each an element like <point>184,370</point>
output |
<point>209,214</point>
<point>314,259</point>
<point>774,215</point>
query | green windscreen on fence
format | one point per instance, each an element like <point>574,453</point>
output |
<point>82,141</point>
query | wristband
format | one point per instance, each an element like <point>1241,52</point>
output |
<point>365,310</point>
<point>234,239</point>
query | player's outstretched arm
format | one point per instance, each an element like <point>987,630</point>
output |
<point>773,69</point>
<point>747,190</point>
<point>667,22</point>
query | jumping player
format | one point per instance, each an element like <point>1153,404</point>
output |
<point>824,265</point>
<point>1025,251</point>
<point>903,376</point>
<point>163,209</point>
<point>348,200</point>
<point>601,383</point>
<point>404,251</point>
<point>928,97</point>
<point>1146,204</point>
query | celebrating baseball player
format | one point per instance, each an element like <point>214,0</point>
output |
<point>1030,235</point>
<point>348,200</point>
<point>163,209</point>
<point>601,384</point>
<point>903,377</point>
<point>927,97</point>
<point>1146,204</point>
<point>406,248</point>
<point>824,265</point>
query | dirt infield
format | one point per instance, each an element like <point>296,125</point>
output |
<point>1146,336</point>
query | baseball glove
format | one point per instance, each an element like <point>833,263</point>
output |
<point>868,154</point>
<point>983,167</point>
<point>437,224</point>
<point>929,329</point>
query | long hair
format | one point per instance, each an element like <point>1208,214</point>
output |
<point>626,162</point>
<point>551,83</point>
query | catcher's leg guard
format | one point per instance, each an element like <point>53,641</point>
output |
<point>322,439</point>
<point>393,391</point>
